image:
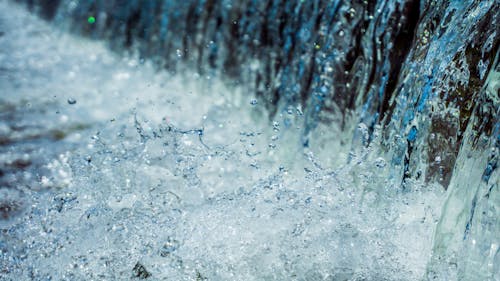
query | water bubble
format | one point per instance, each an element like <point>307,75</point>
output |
<point>352,12</point>
<point>72,5</point>
<point>437,159</point>
<point>255,65</point>
<point>169,247</point>
<point>179,53</point>
<point>380,162</point>
<point>71,101</point>
<point>253,102</point>
<point>299,110</point>
<point>276,126</point>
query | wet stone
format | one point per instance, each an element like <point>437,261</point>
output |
<point>140,271</point>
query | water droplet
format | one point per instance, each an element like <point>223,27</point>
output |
<point>437,159</point>
<point>352,12</point>
<point>299,110</point>
<point>71,101</point>
<point>276,126</point>
<point>169,247</point>
<point>380,162</point>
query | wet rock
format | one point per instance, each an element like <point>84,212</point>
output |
<point>140,271</point>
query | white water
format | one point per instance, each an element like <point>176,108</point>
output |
<point>132,180</point>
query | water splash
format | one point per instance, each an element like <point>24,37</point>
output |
<point>399,100</point>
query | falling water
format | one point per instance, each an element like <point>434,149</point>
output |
<point>249,140</point>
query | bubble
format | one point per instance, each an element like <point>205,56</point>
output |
<point>380,162</point>
<point>169,247</point>
<point>71,101</point>
<point>276,126</point>
<point>437,159</point>
<point>299,110</point>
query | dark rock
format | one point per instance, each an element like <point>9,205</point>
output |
<point>140,271</point>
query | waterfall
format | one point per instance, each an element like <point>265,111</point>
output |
<point>415,67</point>
<point>402,95</point>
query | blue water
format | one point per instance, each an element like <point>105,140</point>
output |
<point>249,140</point>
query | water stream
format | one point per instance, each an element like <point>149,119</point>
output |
<point>249,140</point>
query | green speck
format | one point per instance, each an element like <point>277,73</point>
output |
<point>91,20</point>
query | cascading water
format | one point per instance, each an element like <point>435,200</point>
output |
<point>249,140</point>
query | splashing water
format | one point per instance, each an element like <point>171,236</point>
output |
<point>112,170</point>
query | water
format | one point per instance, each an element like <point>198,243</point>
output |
<point>113,169</point>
